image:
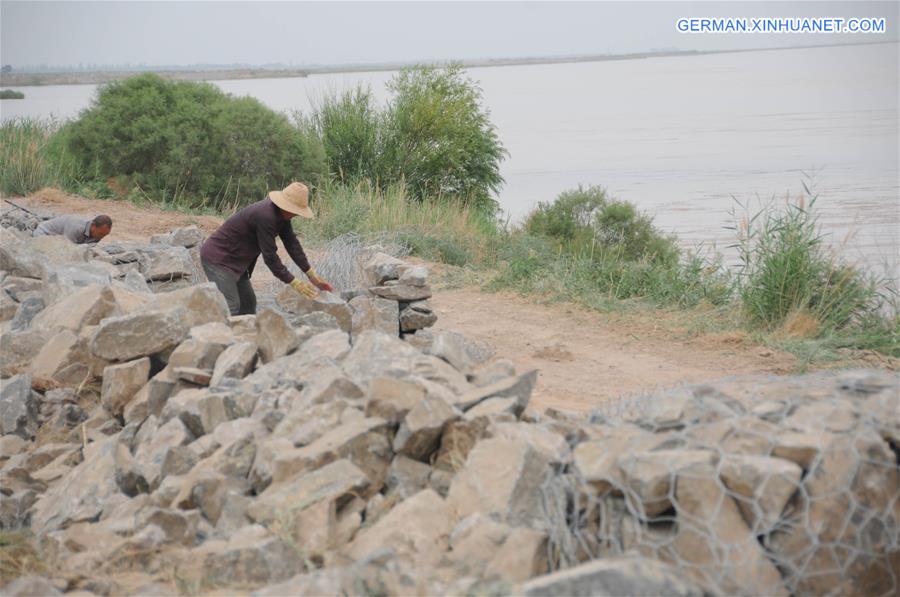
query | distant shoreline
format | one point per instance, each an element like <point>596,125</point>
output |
<point>24,79</point>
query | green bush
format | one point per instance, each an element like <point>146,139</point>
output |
<point>434,136</point>
<point>585,222</point>
<point>787,269</point>
<point>11,94</point>
<point>186,140</point>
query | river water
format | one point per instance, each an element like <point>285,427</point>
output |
<point>685,138</point>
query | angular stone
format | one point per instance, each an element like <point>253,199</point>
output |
<point>373,313</point>
<point>416,275</point>
<point>195,353</point>
<point>168,263</point>
<point>193,375</point>
<point>275,337</point>
<point>86,306</point>
<point>417,528</point>
<point>293,302</point>
<point>30,586</point>
<point>850,493</point>
<point>64,359</point>
<point>63,280</point>
<point>364,442</point>
<point>122,382</point>
<point>622,575</point>
<point>421,429</point>
<point>8,306</point>
<point>651,475</point>
<point>382,267</point>
<point>139,334</point>
<point>26,312</point>
<point>333,344</point>
<point>338,481</point>
<point>522,556</point>
<point>151,454</point>
<point>30,257</point>
<point>407,477</point>
<point>17,286</point>
<point>402,292</point>
<point>236,361</point>
<point>550,444</point>
<point>18,350</point>
<point>202,303</point>
<point>416,316</point>
<point>249,557</point>
<point>502,477</point>
<point>519,388</point>
<point>451,347</point>
<point>391,398</point>
<point>713,536</point>
<point>766,483</point>
<point>375,354</point>
<point>18,407</point>
<point>187,237</point>
<point>82,494</point>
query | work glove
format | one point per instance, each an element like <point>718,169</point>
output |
<point>318,282</point>
<point>304,288</point>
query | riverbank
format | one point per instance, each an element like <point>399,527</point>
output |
<point>27,79</point>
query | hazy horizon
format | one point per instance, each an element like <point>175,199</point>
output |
<point>297,34</point>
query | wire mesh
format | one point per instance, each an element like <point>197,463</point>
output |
<point>777,486</point>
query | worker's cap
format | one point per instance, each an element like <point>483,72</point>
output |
<point>293,198</point>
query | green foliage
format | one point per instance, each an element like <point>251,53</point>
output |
<point>11,94</point>
<point>31,157</point>
<point>585,222</point>
<point>349,128</point>
<point>786,269</point>
<point>434,136</point>
<point>180,140</point>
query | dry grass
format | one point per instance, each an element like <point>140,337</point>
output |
<point>18,556</point>
<point>799,324</point>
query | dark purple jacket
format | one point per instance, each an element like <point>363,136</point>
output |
<point>251,231</point>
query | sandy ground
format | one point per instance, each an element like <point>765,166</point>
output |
<point>585,358</point>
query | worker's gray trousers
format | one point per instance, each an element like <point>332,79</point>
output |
<point>238,293</point>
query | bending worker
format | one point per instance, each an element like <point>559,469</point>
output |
<point>78,230</point>
<point>229,255</point>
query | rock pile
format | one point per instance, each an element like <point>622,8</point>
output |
<point>328,450</point>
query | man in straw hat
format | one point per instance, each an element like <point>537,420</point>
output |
<point>229,255</point>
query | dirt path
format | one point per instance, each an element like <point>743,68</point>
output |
<point>584,357</point>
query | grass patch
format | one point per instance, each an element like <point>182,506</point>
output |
<point>11,94</point>
<point>18,557</point>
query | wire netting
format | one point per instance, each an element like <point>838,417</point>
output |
<point>762,486</point>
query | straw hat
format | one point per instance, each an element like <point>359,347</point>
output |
<point>294,198</point>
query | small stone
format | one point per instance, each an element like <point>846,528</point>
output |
<point>236,361</point>
<point>421,429</point>
<point>293,302</point>
<point>18,408</point>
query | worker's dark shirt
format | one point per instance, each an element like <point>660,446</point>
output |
<point>251,231</point>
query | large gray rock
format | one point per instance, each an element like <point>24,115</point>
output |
<point>624,575</point>
<point>518,388</point>
<point>139,334</point>
<point>30,257</point>
<point>18,407</point>
<point>373,313</point>
<point>203,303</point>
<point>504,478</point>
<point>396,291</point>
<point>275,336</point>
<point>364,442</point>
<point>186,237</point>
<point>293,302</point>
<point>122,382</point>
<point>26,311</point>
<point>18,349</point>
<point>82,494</point>
<point>8,306</point>
<point>85,306</point>
<point>63,280</point>
<point>375,354</point>
<point>66,359</point>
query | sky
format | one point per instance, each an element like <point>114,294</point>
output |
<point>73,33</point>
